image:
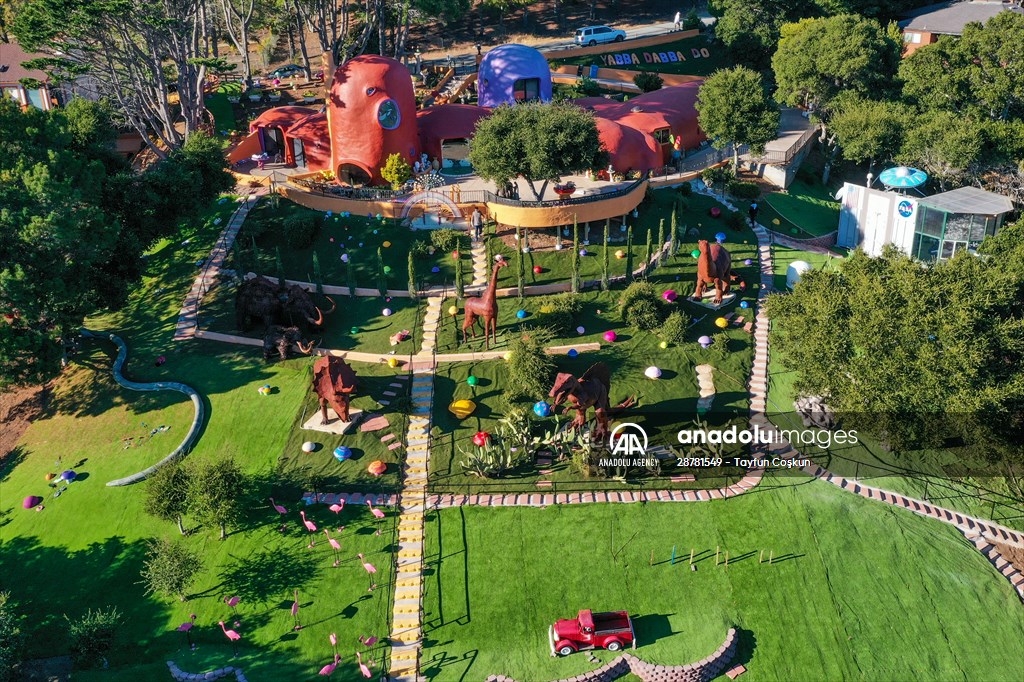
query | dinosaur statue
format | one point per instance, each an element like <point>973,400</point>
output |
<point>334,381</point>
<point>278,339</point>
<point>714,266</point>
<point>261,300</point>
<point>590,390</point>
<point>486,306</point>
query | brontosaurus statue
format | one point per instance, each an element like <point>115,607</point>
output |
<point>334,381</point>
<point>590,390</point>
<point>714,266</point>
<point>486,306</point>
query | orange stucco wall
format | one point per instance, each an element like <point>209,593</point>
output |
<point>549,216</point>
<point>247,147</point>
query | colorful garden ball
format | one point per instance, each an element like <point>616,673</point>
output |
<point>471,380</point>
<point>344,258</point>
<point>393,362</point>
<point>542,409</point>
<point>545,309</point>
<point>387,269</point>
<point>436,269</point>
<point>31,501</point>
<point>520,314</point>
<point>744,304</point>
<point>704,341</point>
<point>610,336</point>
<point>695,253</point>
<point>308,446</point>
<point>663,345</point>
<point>375,231</point>
<point>573,353</point>
<point>387,312</point>
<point>453,310</point>
<point>507,356</point>
<point>537,269</point>
<point>354,330</point>
<point>670,295</point>
<point>50,476</point>
<point>332,240</point>
<point>748,262</point>
<point>721,323</point>
<point>581,330</point>
<point>652,372</point>
<point>720,237</point>
<point>379,216</point>
<point>386,245</point>
<point>620,254</point>
<point>377,468</point>
<point>455,255</point>
<point>480,438</point>
<point>775,221</point>
<point>583,252</point>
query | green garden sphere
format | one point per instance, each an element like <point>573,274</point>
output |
<point>355,330</point>
<point>471,380</point>
<point>695,253</point>
<point>387,269</point>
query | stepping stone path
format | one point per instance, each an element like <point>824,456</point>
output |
<point>481,268</point>
<point>706,382</point>
<point>430,321</point>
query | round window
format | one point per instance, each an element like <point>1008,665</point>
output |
<point>388,114</point>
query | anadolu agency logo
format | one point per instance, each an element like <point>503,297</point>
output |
<point>628,445</point>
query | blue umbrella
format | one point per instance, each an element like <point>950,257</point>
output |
<point>902,177</point>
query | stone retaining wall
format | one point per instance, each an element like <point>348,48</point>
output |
<point>182,676</point>
<point>703,670</point>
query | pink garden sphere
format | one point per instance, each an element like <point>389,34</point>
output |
<point>610,336</point>
<point>670,295</point>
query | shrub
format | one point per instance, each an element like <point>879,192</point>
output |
<point>735,220</point>
<point>641,306</point>
<point>675,326</point>
<point>744,190</point>
<point>686,189</point>
<point>92,635</point>
<point>167,494</point>
<point>529,367</point>
<point>170,568</point>
<point>446,239</point>
<point>691,20</point>
<point>588,87</point>
<point>566,303</point>
<point>564,311</point>
<point>300,230</point>
<point>396,170</point>
<point>421,249</point>
<point>11,638</point>
<point>720,344</point>
<point>648,82</point>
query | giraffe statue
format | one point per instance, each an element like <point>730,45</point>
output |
<point>486,306</point>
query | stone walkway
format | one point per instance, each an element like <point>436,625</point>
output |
<point>188,319</point>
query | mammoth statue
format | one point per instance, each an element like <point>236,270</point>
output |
<point>590,390</point>
<point>334,381</point>
<point>261,300</point>
<point>278,339</point>
<point>714,266</point>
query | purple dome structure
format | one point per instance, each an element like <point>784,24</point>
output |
<point>513,73</point>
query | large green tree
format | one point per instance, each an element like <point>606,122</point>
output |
<point>750,29</point>
<point>75,221</point>
<point>217,494</point>
<point>170,568</point>
<point>167,494</point>
<point>870,131</point>
<point>733,108</point>
<point>914,355</point>
<point>539,142</point>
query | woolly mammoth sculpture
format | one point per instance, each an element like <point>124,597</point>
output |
<point>590,390</point>
<point>334,381</point>
<point>714,266</point>
<point>278,339</point>
<point>259,300</point>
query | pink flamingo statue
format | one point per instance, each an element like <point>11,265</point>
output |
<point>337,507</point>
<point>295,612</point>
<point>310,526</point>
<point>186,627</point>
<point>334,642</point>
<point>377,513</point>
<point>232,602</point>
<point>370,571</point>
<point>233,636</point>
<point>278,508</point>
<point>367,641</point>
<point>328,669</point>
<point>335,546</point>
<point>362,667</point>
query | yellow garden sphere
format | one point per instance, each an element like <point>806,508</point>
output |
<point>392,362</point>
<point>721,323</point>
<point>453,311</point>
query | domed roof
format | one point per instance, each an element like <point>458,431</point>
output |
<point>503,66</point>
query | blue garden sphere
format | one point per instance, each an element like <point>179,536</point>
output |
<point>342,453</point>
<point>720,237</point>
<point>744,304</point>
<point>573,353</point>
<point>435,269</point>
<point>542,409</point>
<point>520,314</point>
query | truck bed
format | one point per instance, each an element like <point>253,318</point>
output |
<point>612,621</point>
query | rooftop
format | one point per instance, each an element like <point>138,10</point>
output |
<point>969,200</point>
<point>11,70</point>
<point>951,17</point>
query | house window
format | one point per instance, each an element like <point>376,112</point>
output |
<point>526,89</point>
<point>910,37</point>
<point>663,136</point>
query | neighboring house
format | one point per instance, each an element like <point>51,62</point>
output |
<point>923,26</point>
<point>12,73</point>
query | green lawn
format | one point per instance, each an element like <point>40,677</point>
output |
<point>807,207</point>
<point>856,591</point>
<point>358,236</point>
<point>698,65</point>
<point>221,109</point>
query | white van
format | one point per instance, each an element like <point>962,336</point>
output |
<point>592,35</point>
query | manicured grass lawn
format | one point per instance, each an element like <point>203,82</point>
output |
<point>856,590</point>
<point>84,550</point>
<point>807,206</point>
<point>221,109</point>
<point>693,65</point>
<point>358,236</point>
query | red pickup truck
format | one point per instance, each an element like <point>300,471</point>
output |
<point>611,631</point>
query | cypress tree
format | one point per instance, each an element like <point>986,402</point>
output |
<point>382,279</point>
<point>412,275</point>
<point>605,284</point>
<point>661,239</point>
<point>520,265</point>
<point>629,254</point>
<point>673,241</point>
<point>460,286</point>
<point>575,257</point>
<point>317,279</point>
<point>650,254</point>
<point>280,269</point>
